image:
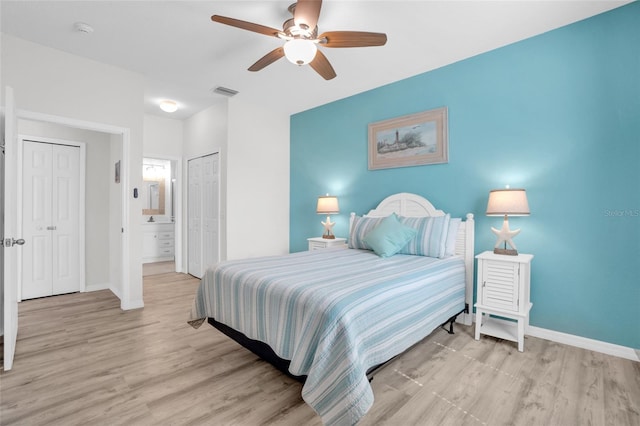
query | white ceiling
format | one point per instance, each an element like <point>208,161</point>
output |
<point>183,54</point>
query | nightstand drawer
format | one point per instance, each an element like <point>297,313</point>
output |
<point>316,246</point>
<point>323,243</point>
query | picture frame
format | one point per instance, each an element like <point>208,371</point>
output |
<point>410,140</point>
<point>117,174</point>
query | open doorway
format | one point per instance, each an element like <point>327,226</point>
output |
<point>95,261</point>
<point>107,203</point>
<point>161,218</point>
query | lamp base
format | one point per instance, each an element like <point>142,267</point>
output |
<point>504,251</point>
<point>329,237</point>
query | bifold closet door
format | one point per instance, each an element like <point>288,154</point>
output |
<point>195,217</point>
<point>204,213</point>
<point>210,210</point>
<point>50,219</point>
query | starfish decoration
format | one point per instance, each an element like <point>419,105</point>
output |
<point>505,235</point>
<point>328,226</point>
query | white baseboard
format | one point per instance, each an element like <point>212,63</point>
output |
<point>580,342</point>
<point>584,343</point>
<point>97,287</point>
<point>132,304</point>
<point>116,291</point>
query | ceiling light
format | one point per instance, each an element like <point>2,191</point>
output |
<point>168,106</point>
<point>300,51</point>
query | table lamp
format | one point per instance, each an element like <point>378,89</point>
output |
<point>328,204</point>
<point>507,202</point>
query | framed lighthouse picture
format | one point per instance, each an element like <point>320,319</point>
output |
<point>411,140</point>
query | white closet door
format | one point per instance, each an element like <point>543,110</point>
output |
<point>65,218</point>
<point>51,219</point>
<point>37,260</point>
<point>195,217</point>
<point>210,210</point>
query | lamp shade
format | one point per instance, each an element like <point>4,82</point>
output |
<point>328,204</point>
<point>300,51</point>
<point>512,202</point>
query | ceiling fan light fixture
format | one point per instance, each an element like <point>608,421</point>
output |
<point>168,106</point>
<point>300,51</point>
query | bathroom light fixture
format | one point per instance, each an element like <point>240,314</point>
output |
<point>168,106</point>
<point>300,51</point>
<point>328,204</point>
<point>505,202</point>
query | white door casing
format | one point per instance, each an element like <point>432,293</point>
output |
<point>51,219</point>
<point>10,228</point>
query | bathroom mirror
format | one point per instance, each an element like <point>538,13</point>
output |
<point>157,191</point>
<point>154,200</point>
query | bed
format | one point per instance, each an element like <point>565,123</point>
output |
<point>329,317</point>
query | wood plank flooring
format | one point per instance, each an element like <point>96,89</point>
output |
<point>156,268</point>
<point>81,360</point>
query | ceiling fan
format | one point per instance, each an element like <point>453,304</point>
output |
<point>300,34</point>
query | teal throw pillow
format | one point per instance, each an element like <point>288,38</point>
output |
<point>389,237</point>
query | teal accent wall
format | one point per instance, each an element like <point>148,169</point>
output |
<point>557,114</point>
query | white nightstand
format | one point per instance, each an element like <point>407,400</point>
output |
<point>321,243</point>
<point>503,290</point>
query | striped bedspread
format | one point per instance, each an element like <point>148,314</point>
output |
<point>334,313</point>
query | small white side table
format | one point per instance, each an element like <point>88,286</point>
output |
<point>503,290</point>
<point>321,243</point>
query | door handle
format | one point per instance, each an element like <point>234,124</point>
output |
<point>10,242</point>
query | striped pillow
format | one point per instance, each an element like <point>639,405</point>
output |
<point>431,238</point>
<point>360,227</point>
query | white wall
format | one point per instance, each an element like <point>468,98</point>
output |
<point>98,175</point>
<point>206,133</point>
<point>253,142</point>
<point>49,81</point>
<point>162,137</point>
<point>257,181</point>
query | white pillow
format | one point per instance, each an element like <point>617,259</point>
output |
<point>452,233</point>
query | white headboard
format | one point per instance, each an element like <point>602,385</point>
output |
<point>412,205</point>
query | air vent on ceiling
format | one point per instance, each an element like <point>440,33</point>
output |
<point>224,91</point>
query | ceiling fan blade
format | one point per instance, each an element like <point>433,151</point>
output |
<point>322,66</point>
<point>307,12</point>
<point>250,26</point>
<point>352,39</point>
<point>267,59</point>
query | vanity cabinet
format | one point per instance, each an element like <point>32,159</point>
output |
<point>158,242</point>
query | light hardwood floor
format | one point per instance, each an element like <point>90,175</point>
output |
<point>156,268</point>
<point>81,360</point>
